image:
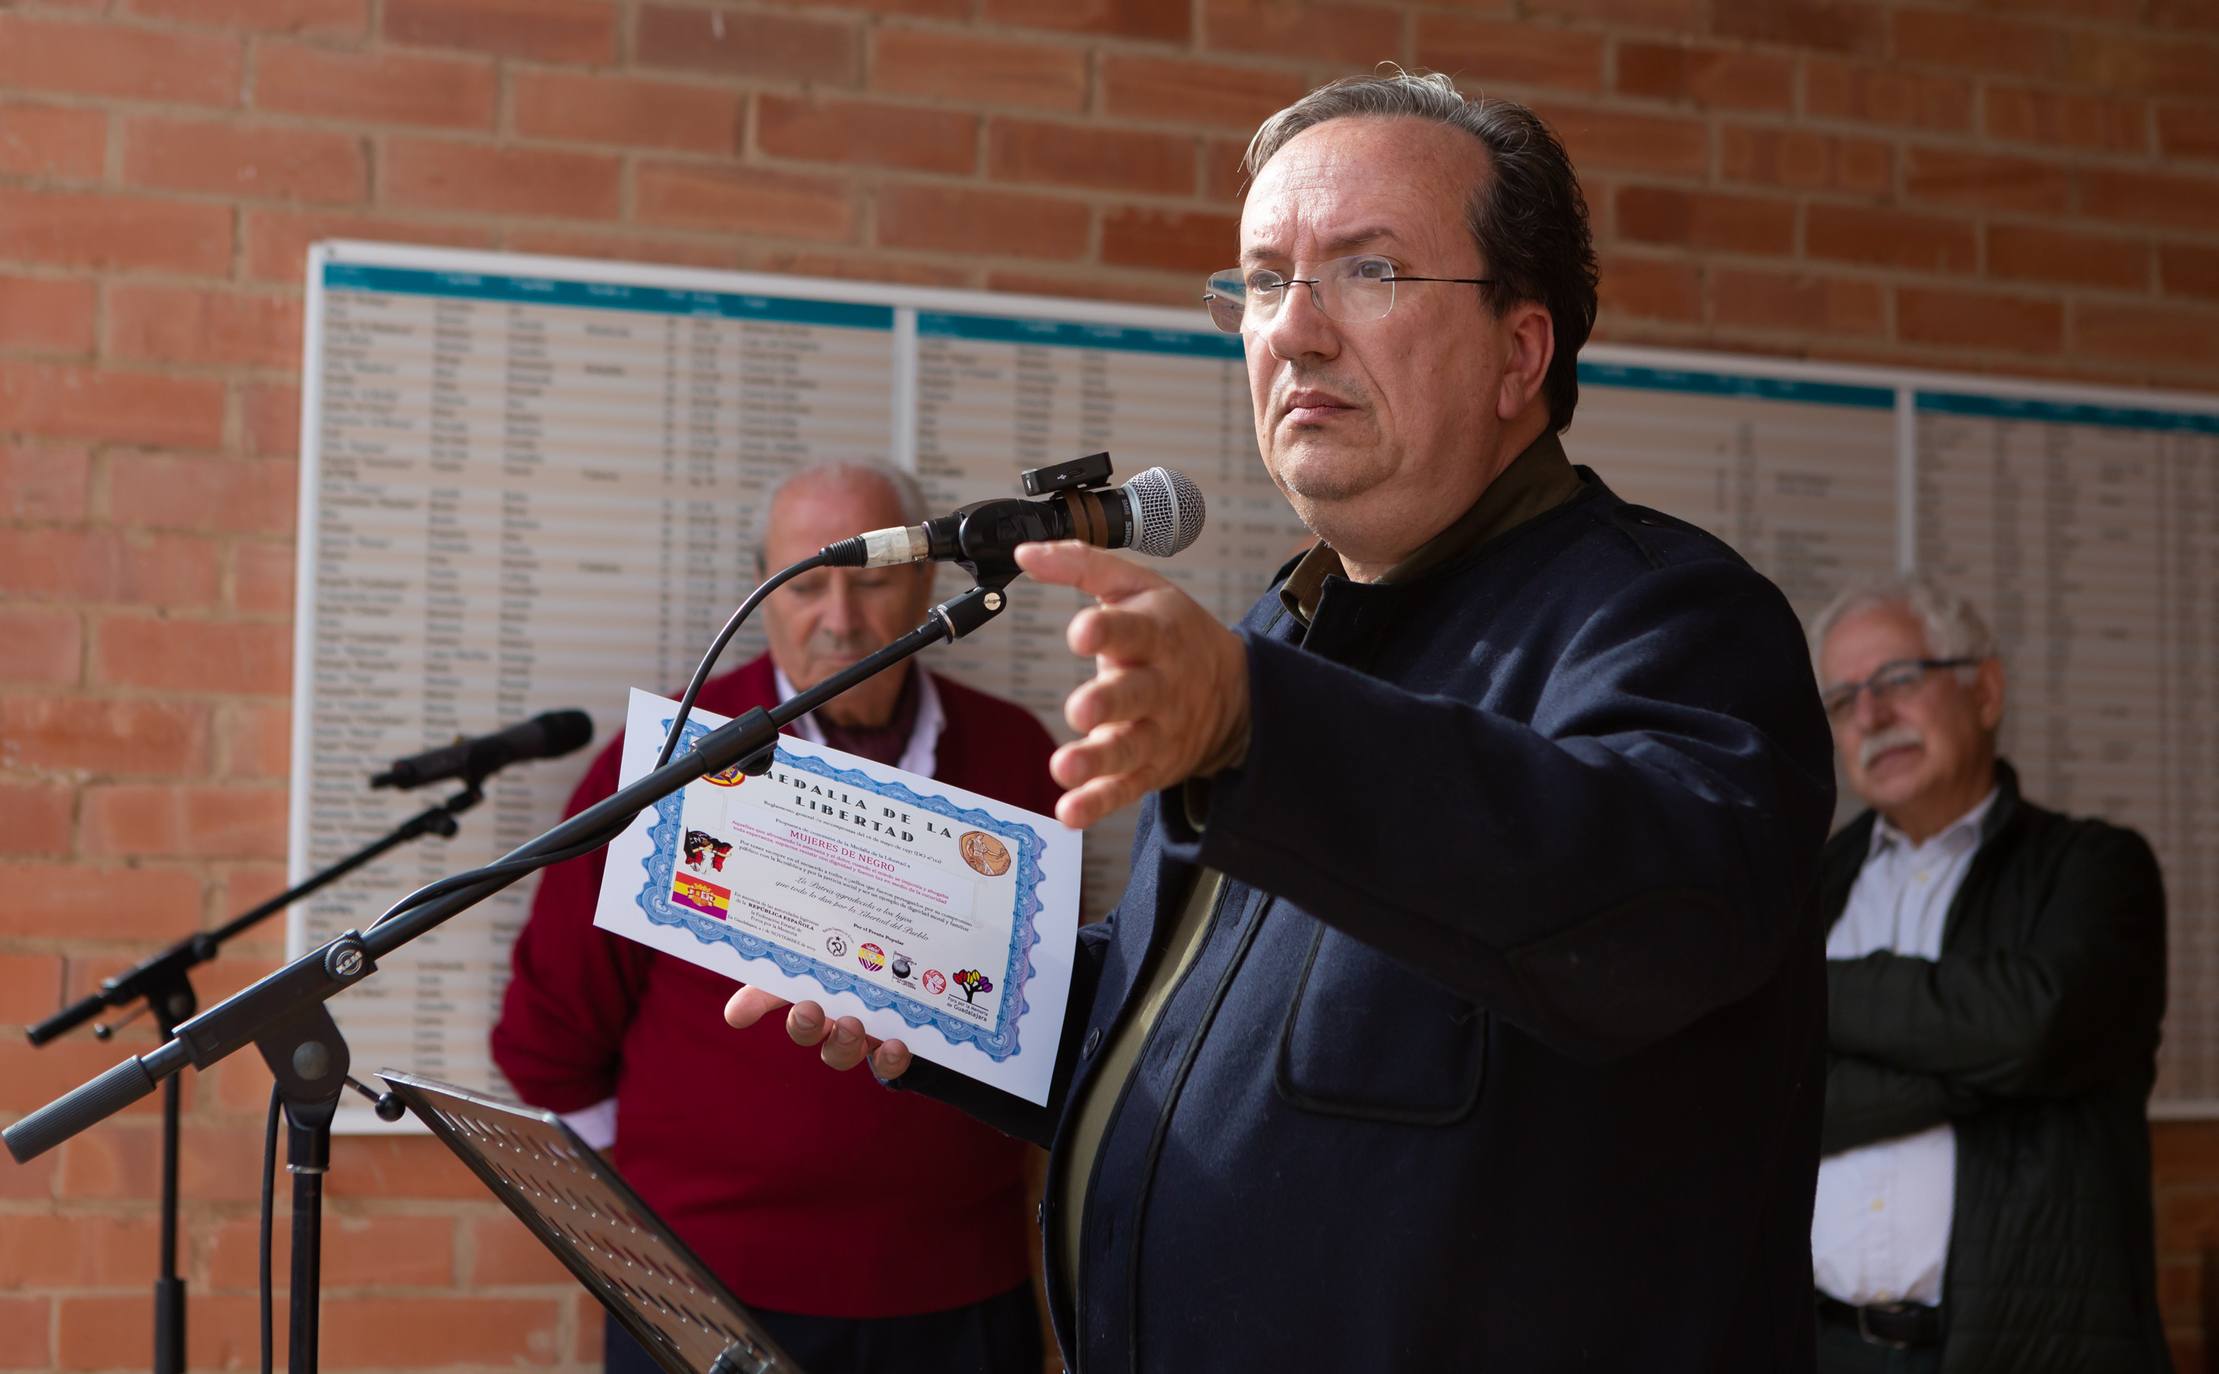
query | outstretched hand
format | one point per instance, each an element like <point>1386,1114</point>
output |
<point>1168,701</point>
<point>843,1041</point>
<point>1169,697</point>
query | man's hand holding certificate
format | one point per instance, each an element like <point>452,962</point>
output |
<point>936,916</point>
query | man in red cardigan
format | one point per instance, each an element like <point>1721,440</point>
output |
<point>906,1216</point>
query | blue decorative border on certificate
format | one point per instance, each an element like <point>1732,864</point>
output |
<point>997,1041</point>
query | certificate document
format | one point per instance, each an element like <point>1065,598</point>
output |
<point>939,917</point>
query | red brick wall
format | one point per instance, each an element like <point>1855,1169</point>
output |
<point>2030,187</point>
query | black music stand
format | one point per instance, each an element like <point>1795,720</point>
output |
<point>621,1251</point>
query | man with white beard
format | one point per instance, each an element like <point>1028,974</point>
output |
<point>1995,979</point>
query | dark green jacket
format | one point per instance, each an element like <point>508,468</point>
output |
<point>2035,1035</point>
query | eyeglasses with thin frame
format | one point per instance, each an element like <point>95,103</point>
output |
<point>1352,290</point>
<point>1888,681</point>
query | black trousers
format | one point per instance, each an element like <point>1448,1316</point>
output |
<point>1842,1351</point>
<point>998,1336</point>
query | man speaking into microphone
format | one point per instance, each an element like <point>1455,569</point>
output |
<point>1465,1007</point>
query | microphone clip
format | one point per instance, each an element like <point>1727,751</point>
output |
<point>1091,471</point>
<point>984,534</point>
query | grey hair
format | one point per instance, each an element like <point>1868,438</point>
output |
<point>1954,627</point>
<point>908,496</point>
<point>1528,217</point>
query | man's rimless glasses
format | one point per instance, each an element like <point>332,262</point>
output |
<point>1352,290</point>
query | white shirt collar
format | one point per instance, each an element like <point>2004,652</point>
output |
<point>1960,834</point>
<point>921,755</point>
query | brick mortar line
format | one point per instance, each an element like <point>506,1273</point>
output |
<point>127,367</point>
<point>1905,138</point>
<point>876,179</point>
<point>501,132</point>
<point>2065,27</point>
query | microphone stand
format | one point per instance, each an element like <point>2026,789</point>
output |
<point>164,984</point>
<point>284,1017</point>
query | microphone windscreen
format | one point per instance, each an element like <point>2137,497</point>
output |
<point>564,731</point>
<point>1167,511</point>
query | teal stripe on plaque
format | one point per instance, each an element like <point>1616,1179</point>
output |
<point>1639,378</point>
<point>2044,412</point>
<point>1011,329</point>
<point>653,300</point>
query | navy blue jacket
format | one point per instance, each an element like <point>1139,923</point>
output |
<point>1504,1048</point>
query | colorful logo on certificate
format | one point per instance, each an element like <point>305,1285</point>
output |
<point>935,981</point>
<point>871,957</point>
<point>704,850</point>
<point>699,894</point>
<point>984,853</point>
<point>730,777</point>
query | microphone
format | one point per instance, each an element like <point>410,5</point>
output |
<point>549,735</point>
<point>1158,513</point>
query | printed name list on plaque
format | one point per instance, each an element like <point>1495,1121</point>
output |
<point>940,917</point>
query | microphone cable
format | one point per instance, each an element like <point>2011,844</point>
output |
<point>724,636</point>
<point>510,868</point>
